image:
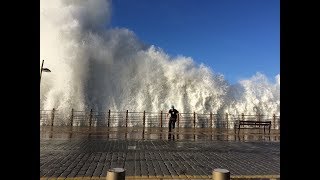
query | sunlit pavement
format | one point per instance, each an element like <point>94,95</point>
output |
<point>153,153</point>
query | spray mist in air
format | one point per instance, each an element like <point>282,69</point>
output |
<point>99,67</point>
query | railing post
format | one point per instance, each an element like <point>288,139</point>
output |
<point>242,118</point>
<point>127,113</point>
<point>144,118</point>
<point>178,120</point>
<point>109,115</point>
<point>90,118</point>
<point>211,120</point>
<point>227,120</point>
<point>274,121</point>
<point>194,119</point>
<point>161,119</point>
<point>259,120</point>
<point>71,118</point>
<point>52,116</point>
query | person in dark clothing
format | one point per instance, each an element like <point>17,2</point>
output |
<point>173,117</point>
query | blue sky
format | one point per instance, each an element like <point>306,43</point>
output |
<point>235,38</point>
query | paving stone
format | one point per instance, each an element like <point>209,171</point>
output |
<point>93,157</point>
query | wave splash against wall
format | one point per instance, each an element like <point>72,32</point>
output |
<point>99,67</point>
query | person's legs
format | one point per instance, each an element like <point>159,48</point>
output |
<point>170,122</point>
<point>173,123</point>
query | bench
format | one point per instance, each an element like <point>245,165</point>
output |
<point>254,125</point>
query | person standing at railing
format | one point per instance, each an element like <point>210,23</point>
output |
<point>173,117</point>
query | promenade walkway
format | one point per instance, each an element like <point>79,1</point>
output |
<point>87,153</point>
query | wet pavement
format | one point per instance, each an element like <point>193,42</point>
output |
<point>153,153</point>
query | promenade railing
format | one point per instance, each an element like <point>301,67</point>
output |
<point>127,118</point>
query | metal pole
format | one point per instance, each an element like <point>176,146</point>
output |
<point>227,120</point>
<point>210,119</point>
<point>90,118</point>
<point>178,120</point>
<point>242,118</point>
<point>194,119</point>
<point>220,174</point>
<point>144,118</point>
<point>144,123</point>
<point>116,174</point>
<point>109,114</point>
<point>127,118</point>
<point>52,117</point>
<point>41,70</point>
<point>161,119</point>
<point>274,121</point>
<point>194,125</point>
<point>71,119</point>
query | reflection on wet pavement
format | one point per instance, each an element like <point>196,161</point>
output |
<point>48,132</point>
<point>186,153</point>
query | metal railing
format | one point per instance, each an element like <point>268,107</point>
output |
<point>148,119</point>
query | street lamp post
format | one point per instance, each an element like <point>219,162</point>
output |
<point>43,69</point>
